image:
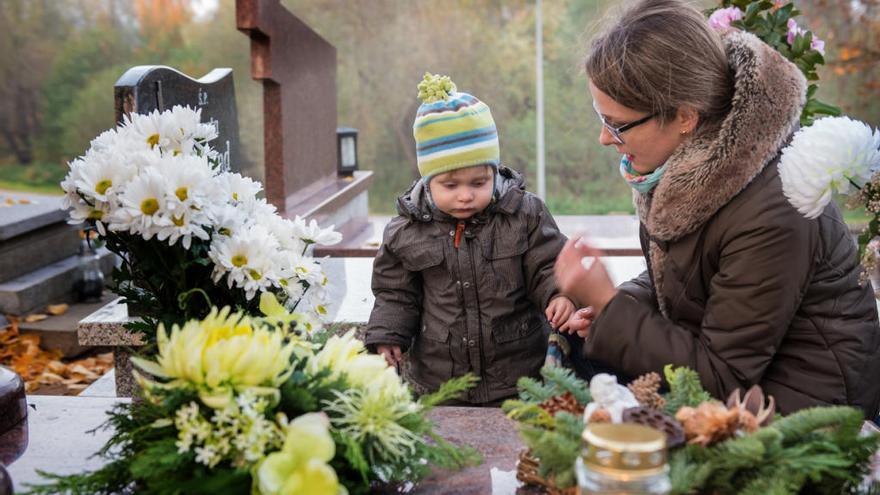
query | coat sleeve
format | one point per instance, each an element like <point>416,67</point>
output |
<point>396,313</point>
<point>545,242</point>
<point>764,267</point>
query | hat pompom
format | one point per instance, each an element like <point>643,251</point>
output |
<point>435,87</point>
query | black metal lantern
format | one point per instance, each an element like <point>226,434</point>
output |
<point>346,137</point>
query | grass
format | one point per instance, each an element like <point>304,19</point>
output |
<point>40,177</point>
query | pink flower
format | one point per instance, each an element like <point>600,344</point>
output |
<point>722,18</point>
<point>794,30</point>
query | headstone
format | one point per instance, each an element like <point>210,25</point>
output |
<point>13,410</point>
<point>298,70</point>
<point>145,88</point>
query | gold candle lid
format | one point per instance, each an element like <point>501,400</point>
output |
<point>624,447</point>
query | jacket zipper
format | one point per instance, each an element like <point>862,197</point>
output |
<point>458,231</point>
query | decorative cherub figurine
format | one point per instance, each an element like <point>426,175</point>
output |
<point>610,396</point>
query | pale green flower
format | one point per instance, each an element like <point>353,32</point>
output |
<point>301,465</point>
<point>375,414</point>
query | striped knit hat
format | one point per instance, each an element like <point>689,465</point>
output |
<point>453,130</point>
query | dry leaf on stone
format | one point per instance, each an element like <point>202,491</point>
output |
<point>57,309</point>
<point>35,318</point>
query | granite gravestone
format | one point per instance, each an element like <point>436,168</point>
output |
<point>145,88</point>
<point>298,70</point>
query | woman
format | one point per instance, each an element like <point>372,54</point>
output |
<point>739,286</point>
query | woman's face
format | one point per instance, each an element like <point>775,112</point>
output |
<point>649,144</point>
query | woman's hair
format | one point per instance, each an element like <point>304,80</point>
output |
<point>660,55</point>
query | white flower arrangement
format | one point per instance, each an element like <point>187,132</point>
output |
<point>156,179</point>
<point>829,156</point>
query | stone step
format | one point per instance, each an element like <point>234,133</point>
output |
<point>52,283</point>
<point>59,332</point>
<point>35,249</point>
<point>21,213</point>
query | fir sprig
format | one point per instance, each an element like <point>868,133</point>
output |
<point>684,389</point>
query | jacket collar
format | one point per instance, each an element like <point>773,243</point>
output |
<point>705,173</point>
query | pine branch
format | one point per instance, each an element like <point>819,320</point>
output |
<point>452,389</point>
<point>531,390</point>
<point>564,380</point>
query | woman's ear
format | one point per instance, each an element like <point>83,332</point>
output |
<point>687,119</point>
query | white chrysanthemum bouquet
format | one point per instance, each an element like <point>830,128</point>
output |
<point>835,154</point>
<point>190,235</point>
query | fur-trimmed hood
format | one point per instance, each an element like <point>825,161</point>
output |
<point>705,173</point>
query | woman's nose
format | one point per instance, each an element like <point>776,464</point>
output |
<point>605,137</point>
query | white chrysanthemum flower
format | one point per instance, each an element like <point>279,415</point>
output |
<point>284,231</point>
<point>311,233</point>
<point>293,287</point>
<point>228,220</point>
<point>99,213</point>
<point>307,269</point>
<point>259,210</point>
<point>193,134</point>
<point>144,209</point>
<point>155,129</point>
<point>190,181</point>
<point>100,175</point>
<point>248,259</point>
<point>185,224</point>
<point>106,140</point>
<point>239,189</point>
<point>828,156</point>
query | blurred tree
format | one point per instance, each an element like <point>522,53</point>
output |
<point>30,30</point>
<point>851,29</point>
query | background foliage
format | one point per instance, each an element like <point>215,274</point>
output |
<point>56,90</point>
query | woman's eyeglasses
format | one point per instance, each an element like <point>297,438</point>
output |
<point>617,131</point>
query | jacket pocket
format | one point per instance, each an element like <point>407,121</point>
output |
<point>431,355</point>
<point>519,345</point>
<point>503,261</point>
<point>421,256</point>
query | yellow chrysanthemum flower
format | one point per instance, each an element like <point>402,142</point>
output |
<point>220,355</point>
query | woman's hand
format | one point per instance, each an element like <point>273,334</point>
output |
<point>559,311</point>
<point>391,353</point>
<point>589,286</point>
<point>580,322</point>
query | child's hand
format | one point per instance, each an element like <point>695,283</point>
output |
<point>580,322</point>
<point>559,311</point>
<point>391,353</point>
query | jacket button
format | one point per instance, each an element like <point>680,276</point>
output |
<point>466,285</point>
<point>471,343</point>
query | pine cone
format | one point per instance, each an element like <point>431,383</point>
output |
<point>565,402</point>
<point>600,416</point>
<point>646,389</point>
<point>657,420</point>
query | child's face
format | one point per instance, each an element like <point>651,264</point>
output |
<point>463,193</point>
